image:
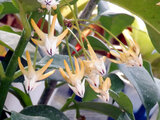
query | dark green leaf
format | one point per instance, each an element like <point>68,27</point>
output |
<point>89,94</point>
<point>23,98</point>
<point>148,67</point>
<point>44,111</point>
<point>97,44</point>
<point>103,108</point>
<point>117,84</point>
<point>123,101</point>
<point>58,61</point>
<point>148,13</point>
<point>144,84</point>
<point>9,29</point>
<point>19,116</point>
<point>115,23</point>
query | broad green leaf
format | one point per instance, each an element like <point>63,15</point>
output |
<point>23,98</point>
<point>9,29</point>
<point>58,61</point>
<point>97,44</point>
<point>117,84</point>
<point>44,111</point>
<point>123,101</point>
<point>148,11</point>
<point>89,94</point>
<point>19,116</point>
<point>103,108</point>
<point>28,5</point>
<point>7,8</point>
<point>113,67</point>
<point>115,23</point>
<point>144,84</point>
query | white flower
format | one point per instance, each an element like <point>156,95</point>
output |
<point>49,4</point>
<point>48,42</point>
<point>75,80</point>
<point>31,76</point>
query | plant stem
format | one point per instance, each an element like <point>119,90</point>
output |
<point>69,100</point>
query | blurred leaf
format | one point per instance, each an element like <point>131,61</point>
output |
<point>9,29</point>
<point>44,111</point>
<point>144,84</point>
<point>123,116</point>
<point>117,84</point>
<point>113,66</point>
<point>148,13</point>
<point>89,94</point>
<point>148,67</point>
<point>58,61</point>
<point>97,44</point>
<point>115,23</point>
<point>28,5</point>
<point>5,45</point>
<point>19,116</point>
<point>123,101</point>
<point>7,8</point>
<point>23,98</point>
<point>103,108</point>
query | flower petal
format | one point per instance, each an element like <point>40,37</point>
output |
<point>30,67</point>
<point>92,53</point>
<point>68,69</point>
<point>61,36</point>
<point>46,75</point>
<point>106,84</point>
<point>38,31</point>
<point>21,66</point>
<point>64,75</point>
<point>37,42</point>
<point>76,65</point>
<point>41,71</point>
<point>51,33</point>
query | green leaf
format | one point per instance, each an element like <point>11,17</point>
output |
<point>113,66</point>
<point>117,84</point>
<point>144,84</point>
<point>28,5</point>
<point>7,8</point>
<point>19,116</point>
<point>89,94</point>
<point>148,13</point>
<point>44,111</point>
<point>103,108</point>
<point>9,29</point>
<point>123,116</point>
<point>58,61</point>
<point>23,98</point>
<point>97,44</point>
<point>123,101</point>
<point>148,67</point>
<point>115,23</point>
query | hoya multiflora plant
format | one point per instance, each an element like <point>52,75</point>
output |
<point>86,48</point>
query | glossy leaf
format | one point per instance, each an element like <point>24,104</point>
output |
<point>97,44</point>
<point>44,111</point>
<point>115,23</point>
<point>23,98</point>
<point>103,108</point>
<point>148,13</point>
<point>148,67</point>
<point>117,84</point>
<point>120,98</point>
<point>58,61</point>
<point>144,84</point>
<point>19,116</point>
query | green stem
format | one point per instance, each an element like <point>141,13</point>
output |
<point>69,101</point>
<point>12,66</point>
<point>78,28</point>
<point>49,21</point>
<point>105,30</point>
<point>2,74</point>
<point>77,110</point>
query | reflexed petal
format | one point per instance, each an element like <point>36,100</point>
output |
<point>30,67</point>
<point>38,31</point>
<point>41,71</point>
<point>51,33</point>
<point>37,42</point>
<point>92,53</point>
<point>21,66</point>
<point>106,84</point>
<point>64,75</point>
<point>76,65</point>
<point>61,36</point>
<point>46,75</point>
<point>67,69</point>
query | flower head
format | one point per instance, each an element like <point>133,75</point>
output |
<point>49,4</point>
<point>48,42</point>
<point>103,88</point>
<point>75,79</point>
<point>94,67</point>
<point>31,76</point>
<point>130,56</point>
